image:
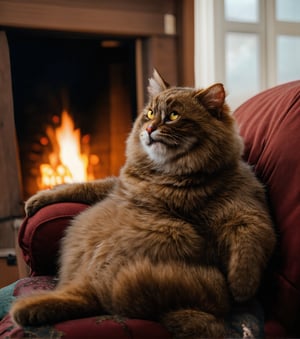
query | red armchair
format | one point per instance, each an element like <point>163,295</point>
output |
<point>270,125</point>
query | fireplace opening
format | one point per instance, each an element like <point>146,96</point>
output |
<point>81,86</point>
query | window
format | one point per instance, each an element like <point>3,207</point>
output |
<point>249,45</point>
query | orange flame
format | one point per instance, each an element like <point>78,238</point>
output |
<point>66,163</point>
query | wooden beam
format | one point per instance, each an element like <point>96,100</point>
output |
<point>186,43</point>
<point>10,200</point>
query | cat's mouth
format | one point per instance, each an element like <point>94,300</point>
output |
<point>151,141</point>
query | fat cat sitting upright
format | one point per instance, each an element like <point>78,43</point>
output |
<point>180,234</point>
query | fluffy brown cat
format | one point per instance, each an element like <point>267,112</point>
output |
<point>180,234</point>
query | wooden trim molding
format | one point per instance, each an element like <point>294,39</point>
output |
<point>186,43</point>
<point>10,181</point>
<point>82,18</point>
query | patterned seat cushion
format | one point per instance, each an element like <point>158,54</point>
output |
<point>246,321</point>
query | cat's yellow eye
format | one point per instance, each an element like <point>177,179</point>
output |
<point>173,116</point>
<point>150,114</point>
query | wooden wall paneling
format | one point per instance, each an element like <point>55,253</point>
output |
<point>10,182</point>
<point>159,52</point>
<point>120,116</point>
<point>9,274</point>
<point>185,30</point>
<point>165,55</point>
<point>140,75</point>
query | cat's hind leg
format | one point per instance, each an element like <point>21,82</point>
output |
<point>191,301</point>
<point>71,302</point>
<point>193,324</point>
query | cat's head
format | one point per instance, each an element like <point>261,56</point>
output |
<point>184,129</point>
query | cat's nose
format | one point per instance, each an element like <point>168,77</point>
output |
<point>150,129</point>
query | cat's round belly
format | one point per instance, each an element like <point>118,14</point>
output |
<point>129,231</point>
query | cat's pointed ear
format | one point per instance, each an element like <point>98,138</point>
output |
<point>213,99</point>
<point>157,84</point>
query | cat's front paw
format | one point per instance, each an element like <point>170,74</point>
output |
<point>193,324</point>
<point>28,312</point>
<point>243,285</point>
<point>39,200</point>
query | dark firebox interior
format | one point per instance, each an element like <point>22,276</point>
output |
<point>78,73</point>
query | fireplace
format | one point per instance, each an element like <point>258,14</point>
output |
<point>88,79</point>
<point>121,40</point>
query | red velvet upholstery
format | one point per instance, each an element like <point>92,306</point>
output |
<point>270,125</point>
<point>39,237</point>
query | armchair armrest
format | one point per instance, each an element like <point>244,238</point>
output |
<point>40,235</point>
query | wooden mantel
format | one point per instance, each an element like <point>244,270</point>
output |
<point>104,17</point>
<point>165,27</point>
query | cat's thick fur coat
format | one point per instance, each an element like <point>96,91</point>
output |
<point>182,232</point>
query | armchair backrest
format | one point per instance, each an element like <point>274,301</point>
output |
<point>270,126</point>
